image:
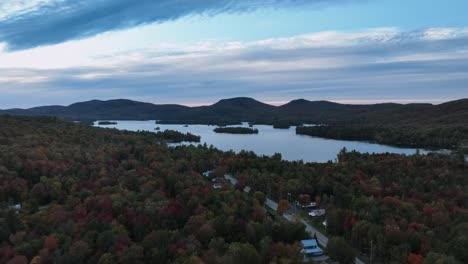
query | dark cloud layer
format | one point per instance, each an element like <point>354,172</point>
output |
<point>60,21</point>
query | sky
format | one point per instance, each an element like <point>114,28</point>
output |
<point>196,52</point>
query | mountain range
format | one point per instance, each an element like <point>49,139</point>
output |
<point>238,109</point>
<point>415,125</point>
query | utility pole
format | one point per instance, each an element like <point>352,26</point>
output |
<point>371,251</point>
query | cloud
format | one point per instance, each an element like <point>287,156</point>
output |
<point>10,8</point>
<point>370,65</point>
<point>34,23</point>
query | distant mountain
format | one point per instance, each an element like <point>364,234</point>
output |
<point>112,109</point>
<point>235,110</point>
<point>440,125</point>
<point>248,109</point>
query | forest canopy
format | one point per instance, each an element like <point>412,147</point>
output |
<point>93,195</point>
<point>70,193</point>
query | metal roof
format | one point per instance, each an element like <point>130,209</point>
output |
<point>311,247</point>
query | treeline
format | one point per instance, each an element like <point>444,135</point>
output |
<point>411,209</point>
<point>236,130</point>
<point>405,136</point>
<point>76,194</point>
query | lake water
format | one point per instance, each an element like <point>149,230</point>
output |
<point>269,141</point>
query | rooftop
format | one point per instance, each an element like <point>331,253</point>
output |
<point>311,247</point>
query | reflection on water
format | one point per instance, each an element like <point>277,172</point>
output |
<point>269,141</point>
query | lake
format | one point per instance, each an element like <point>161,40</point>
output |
<point>268,141</point>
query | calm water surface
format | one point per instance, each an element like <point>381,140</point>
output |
<point>269,141</point>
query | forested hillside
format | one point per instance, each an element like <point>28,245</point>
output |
<point>90,195</point>
<point>413,125</point>
<point>414,209</point>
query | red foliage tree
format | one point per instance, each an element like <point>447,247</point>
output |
<point>51,243</point>
<point>415,259</point>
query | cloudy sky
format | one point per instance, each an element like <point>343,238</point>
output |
<point>199,51</point>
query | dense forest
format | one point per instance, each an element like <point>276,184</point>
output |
<point>236,130</point>
<point>70,193</point>
<point>76,194</point>
<point>414,209</point>
<point>422,125</point>
<point>405,136</point>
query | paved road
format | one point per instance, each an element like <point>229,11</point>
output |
<point>321,239</point>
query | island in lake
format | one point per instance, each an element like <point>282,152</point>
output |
<point>236,130</point>
<point>177,137</point>
<point>107,123</point>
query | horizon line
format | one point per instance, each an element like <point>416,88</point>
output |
<point>270,102</point>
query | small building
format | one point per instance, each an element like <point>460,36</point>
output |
<point>310,248</point>
<point>218,182</point>
<point>305,202</point>
<point>317,212</point>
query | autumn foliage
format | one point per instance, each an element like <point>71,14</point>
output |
<point>92,195</point>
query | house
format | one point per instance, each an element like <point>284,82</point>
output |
<point>304,202</point>
<point>317,212</point>
<point>218,182</point>
<point>310,248</point>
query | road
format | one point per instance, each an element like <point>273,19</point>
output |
<point>321,238</point>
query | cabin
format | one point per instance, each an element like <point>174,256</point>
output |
<point>310,248</point>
